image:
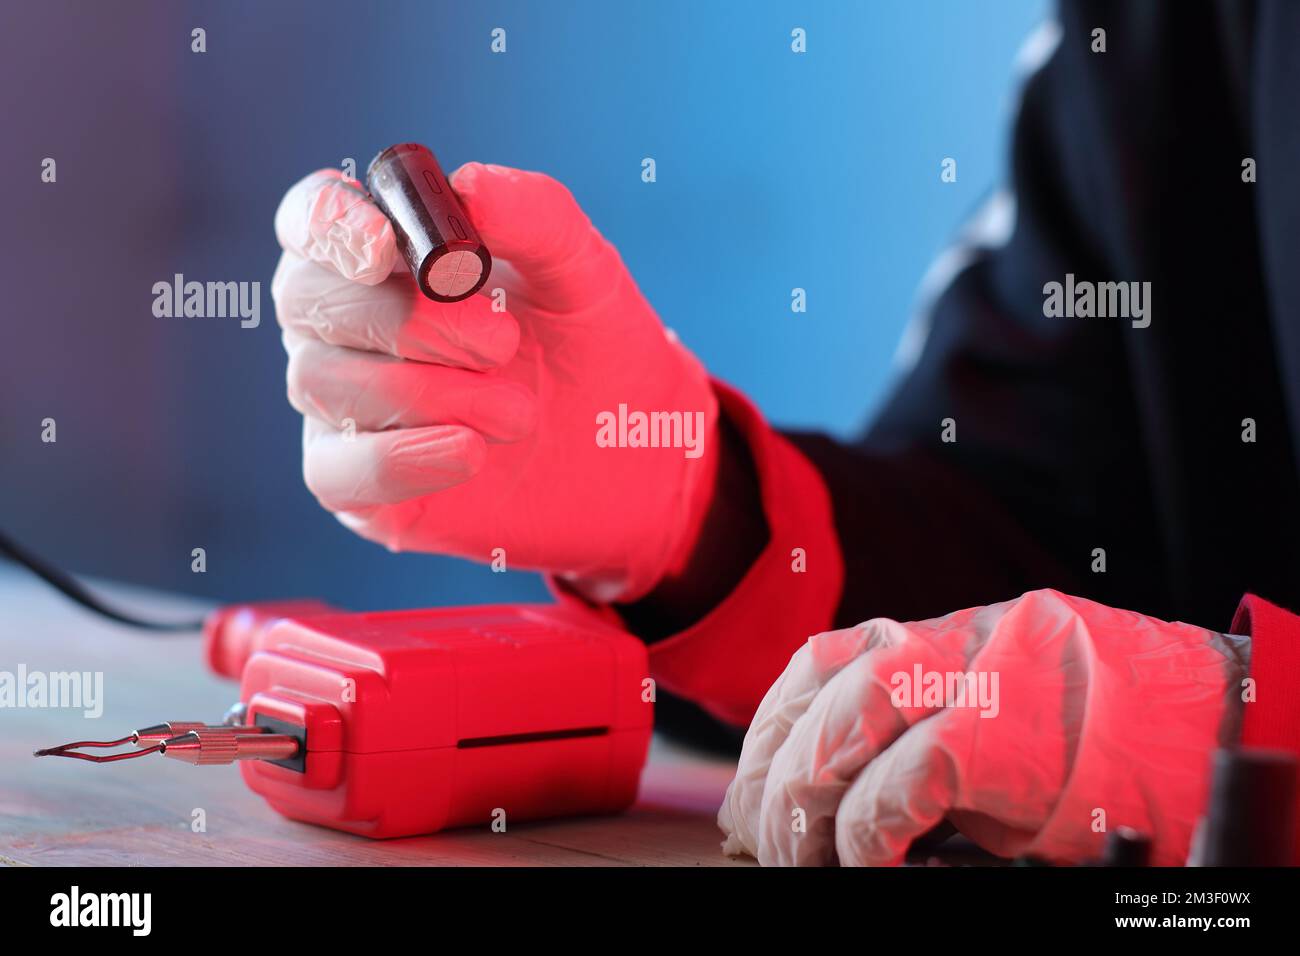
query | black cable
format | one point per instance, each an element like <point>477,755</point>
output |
<point>72,588</point>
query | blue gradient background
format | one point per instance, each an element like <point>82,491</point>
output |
<point>775,170</point>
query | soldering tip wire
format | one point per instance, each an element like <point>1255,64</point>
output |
<point>70,750</point>
<point>49,751</point>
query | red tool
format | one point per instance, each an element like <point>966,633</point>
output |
<point>404,722</point>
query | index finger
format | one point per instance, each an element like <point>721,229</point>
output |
<point>808,671</point>
<point>329,218</point>
<point>849,722</point>
<point>391,318</point>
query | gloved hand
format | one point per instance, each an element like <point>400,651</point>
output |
<point>1096,715</point>
<point>458,429</point>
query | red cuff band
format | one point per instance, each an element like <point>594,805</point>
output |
<point>1272,719</point>
<point>728,660</point>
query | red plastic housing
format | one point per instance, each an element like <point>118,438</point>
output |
<point>419,720</point>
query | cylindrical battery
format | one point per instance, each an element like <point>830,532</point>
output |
<point>434,235</point>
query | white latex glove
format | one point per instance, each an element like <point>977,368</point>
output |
<point>1099,715</point>
<point>460,428</point>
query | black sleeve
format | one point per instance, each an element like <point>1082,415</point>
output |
<point>1069,431</point>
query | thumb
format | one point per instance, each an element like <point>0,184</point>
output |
<point>533,222</point>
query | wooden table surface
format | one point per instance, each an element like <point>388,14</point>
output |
<point>139,812</point>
